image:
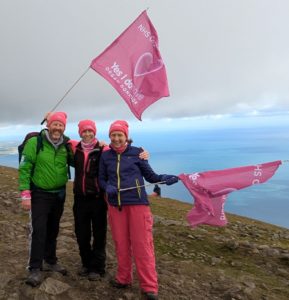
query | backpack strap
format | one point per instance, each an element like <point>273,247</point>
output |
<point>39,145</point>
<point>69,151</point>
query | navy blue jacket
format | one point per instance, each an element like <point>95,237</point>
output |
<point>126,170</point>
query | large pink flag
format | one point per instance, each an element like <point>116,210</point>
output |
<point>132,64</point>
<point>210,190</point>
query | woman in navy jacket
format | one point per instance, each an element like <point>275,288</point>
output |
<point>121,174</point>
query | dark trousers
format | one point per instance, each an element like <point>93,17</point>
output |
<point>90,216</point>
<point>46,211</point>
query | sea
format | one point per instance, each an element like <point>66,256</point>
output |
<point>189,151</point>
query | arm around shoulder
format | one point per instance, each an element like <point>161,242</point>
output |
<point>102,173</point>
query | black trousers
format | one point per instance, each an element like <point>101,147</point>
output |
<point>90,217</point>
<point>46,211</point>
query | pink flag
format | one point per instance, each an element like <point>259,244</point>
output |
<point>132,64</point>
<point>210,190</point>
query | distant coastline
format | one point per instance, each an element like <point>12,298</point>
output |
<point>201,150</point>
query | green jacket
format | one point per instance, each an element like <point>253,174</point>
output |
<point>47,170</point>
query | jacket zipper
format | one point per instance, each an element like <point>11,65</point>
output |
<point>84,172</point>
<point>86,169</point>
<point>118,181</point>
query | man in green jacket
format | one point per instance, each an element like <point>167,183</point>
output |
<point>42,183</point>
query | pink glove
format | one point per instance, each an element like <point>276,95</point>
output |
<point>26,199</point>
<point>25,195</point>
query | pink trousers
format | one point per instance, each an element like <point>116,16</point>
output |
<point>132,234</point>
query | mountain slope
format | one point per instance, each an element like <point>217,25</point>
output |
<point>247,259</point>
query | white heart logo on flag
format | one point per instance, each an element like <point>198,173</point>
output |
<point>145,65</point>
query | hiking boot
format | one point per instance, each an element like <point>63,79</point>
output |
<point>54,268</point>
<point>34,278</point>
<point>93,276</point>
<point>118,285</point>
<point>149,296</point>
<point>83,272</point>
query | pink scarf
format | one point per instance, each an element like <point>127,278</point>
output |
<point>118,150</point>
<point>87,147</point>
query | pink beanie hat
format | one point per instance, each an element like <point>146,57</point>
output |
<point>57,116</point>
<point>86,125</point>
<point>119,125</point>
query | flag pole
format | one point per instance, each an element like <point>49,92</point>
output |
<point>136,187</point>
<point>75,83</point>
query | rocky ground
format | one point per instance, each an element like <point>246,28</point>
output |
<point>245,260</point>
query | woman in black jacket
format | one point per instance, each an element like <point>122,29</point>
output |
<point>89,207</point>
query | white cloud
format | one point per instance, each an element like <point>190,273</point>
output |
<point>222,57</point>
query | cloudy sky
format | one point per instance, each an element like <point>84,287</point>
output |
<point>223,58</point>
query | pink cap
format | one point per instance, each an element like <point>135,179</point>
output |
<point>86,125</point>
<point>119,125</point>
<point>57,116</point>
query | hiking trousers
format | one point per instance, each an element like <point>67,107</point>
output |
<point>90,219</point>
<point>132,234</point>
<point>46,211</point>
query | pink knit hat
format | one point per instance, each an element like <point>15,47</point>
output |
<point>119,125</point>
<point>57,116</point>
<point>86,125</point>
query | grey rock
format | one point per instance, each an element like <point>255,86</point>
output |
<point>66,225</point>
<point>129,296</point>
<point>54,287</point>
<point>4,279</point>
<point>263,247</point>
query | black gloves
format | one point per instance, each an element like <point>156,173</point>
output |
<point>170,179</point>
